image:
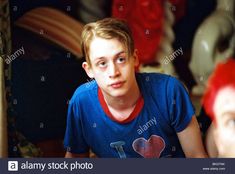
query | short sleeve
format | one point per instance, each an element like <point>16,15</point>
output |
<point>180,107</point>
<point>74,141</point>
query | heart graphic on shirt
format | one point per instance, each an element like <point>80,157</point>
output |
<point>151,148</point>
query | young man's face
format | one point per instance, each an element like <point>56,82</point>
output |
<point>224,109</point>
<point>111,67</point>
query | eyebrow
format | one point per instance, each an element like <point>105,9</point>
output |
<point>228,113</point>
<point>116,55</point>
<point>121,52</point>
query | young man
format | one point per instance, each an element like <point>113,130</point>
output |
<point>219,103</point>
<point>123,114</point>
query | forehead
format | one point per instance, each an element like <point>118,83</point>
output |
<point>100,47</point>
<point>224,101</point>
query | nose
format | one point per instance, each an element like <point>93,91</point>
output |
<point>113,70</point>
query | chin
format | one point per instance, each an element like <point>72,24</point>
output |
<point>118,93</point>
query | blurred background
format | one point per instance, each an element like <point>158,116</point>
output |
<point>41,58</point>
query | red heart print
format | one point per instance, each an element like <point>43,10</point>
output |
<point>151,148</point>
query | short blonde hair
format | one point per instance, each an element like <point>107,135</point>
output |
<point>108,28</point>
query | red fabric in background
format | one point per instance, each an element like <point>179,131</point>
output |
<point>145,18</point>
<point>179,8</point>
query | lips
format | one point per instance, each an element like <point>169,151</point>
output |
<point>117,84</point>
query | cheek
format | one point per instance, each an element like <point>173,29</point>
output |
<point>128,71</point>
<point>226,136</point>
<point>101,80</point>
<point>227,145</point>
<point>99,74</point>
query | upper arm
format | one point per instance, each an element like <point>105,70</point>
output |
<point>74,139</point>
<point>191,141</point>
<point>180,108</point>
<point>182,119</point>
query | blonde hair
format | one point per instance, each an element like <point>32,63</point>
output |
<point>108,28</point>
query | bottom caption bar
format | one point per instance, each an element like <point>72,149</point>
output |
<point>116,166</point>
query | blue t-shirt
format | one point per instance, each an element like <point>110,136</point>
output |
<point>167,110</point>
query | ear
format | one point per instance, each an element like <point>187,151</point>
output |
<point>136,58</point>
<point>88,69</point>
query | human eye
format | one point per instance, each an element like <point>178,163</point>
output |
<point>228,120</point>
<point>121,60</point>
<point>101,64</point>
<point>231,123</point>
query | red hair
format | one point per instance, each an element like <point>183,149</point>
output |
<point>223,76</point>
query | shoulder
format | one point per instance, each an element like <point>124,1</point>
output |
<point>157,80</point>
<point>84,92</point>
<point>161,86</point>
<point>152,76</point>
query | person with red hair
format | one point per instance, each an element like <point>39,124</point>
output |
<point>219,104</point>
